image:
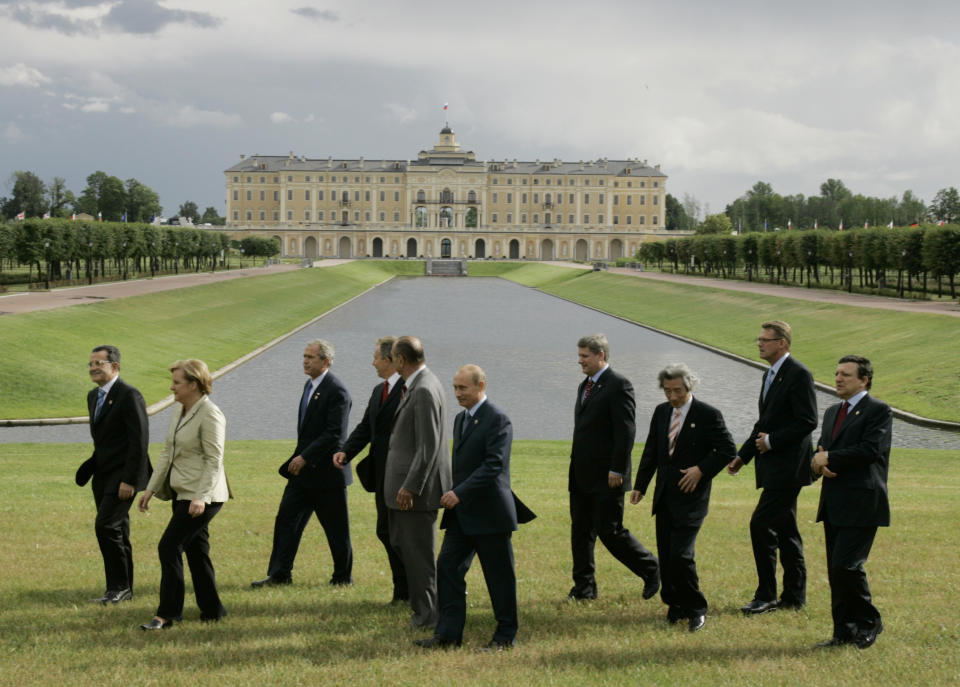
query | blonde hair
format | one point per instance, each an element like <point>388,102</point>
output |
<point>194,370</point>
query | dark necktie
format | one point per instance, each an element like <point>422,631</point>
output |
<point>384,393</point>
<point>101,395</point>
<point>305,399</point>
<point>587,389</point>
<point>841,416</point>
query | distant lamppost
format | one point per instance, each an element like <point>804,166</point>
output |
<point>123,250</point>
<point>89,262</point>
<point>241,257</point>
<point>46,258</point>
<point>153,253</point>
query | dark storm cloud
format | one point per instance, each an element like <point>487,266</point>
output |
<point>127,16</point>
<point>319,15</point>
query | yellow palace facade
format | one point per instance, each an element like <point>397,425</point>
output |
<point>447,204</point>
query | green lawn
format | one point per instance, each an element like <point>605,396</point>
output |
<point>910,352</point>
<point>313,634</point>
<point>42,371</point>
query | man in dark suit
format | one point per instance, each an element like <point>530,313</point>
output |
<point>853,456</point>
<point>781,443</point>
<point>314,485</point>
<point>688,444</point>
<point>603,433</point>
<point>481,513</point>
<point>374,429</point>
<point>416,476</point>
<point>120,466</point>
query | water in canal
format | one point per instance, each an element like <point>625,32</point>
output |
<point>525,340</point>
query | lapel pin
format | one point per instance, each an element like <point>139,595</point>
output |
<point>693,425</point>
<point>475,421</point>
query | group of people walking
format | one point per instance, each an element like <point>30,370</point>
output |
<point>413,474</point>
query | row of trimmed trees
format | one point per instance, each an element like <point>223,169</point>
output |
<point>900,259</point>
<point>63,250</point>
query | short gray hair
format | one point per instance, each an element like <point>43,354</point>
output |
<point>678,371</point>
<point>596,344</point>
<point>385,346</point>
<point>324,349</point>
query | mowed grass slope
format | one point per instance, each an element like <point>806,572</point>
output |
<point>42,371</point>
<point>310,633</point>
<point>914,355</point>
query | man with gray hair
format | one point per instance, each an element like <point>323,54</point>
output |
<point>687,445</point>
<point>604,429</point>
<point>314,483</point>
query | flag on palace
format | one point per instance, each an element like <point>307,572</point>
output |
<point>445,106</point>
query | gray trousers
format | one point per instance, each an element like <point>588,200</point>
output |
<point>413,536</point>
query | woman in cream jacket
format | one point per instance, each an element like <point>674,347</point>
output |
<point>190,473</point>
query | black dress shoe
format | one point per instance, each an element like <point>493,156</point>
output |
<point>117,596</point>
<point>156,624</point>
<point>271,582</point>
<point>756,607</point>
<point>697,622</point>
<point>437,642</point>
<point>868,639</point>
<point>582,595</point>
<point>341,583</point>
<point>498,646</point>
<point>790,605</point>
<point>103,600</point>
<point>652,586</point>
<point>832,642</point>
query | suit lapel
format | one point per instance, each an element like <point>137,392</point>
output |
<point>853,417</point>
<point>107,402</point>
<point>190,415</point>
<point>471,423</point>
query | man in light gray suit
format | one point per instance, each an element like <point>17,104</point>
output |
<point>417,475</point>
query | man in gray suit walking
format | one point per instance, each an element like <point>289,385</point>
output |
<point>417,475</point>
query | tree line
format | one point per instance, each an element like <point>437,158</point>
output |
<point>900,259</point>
<point>62,250</point>
<point>836,207</point>
<point>105,197</point>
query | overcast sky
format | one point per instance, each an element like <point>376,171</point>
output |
<point>720,94</point>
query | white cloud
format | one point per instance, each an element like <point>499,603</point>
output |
<point>280,118</point>
<point>187,116</point>
<point>22,75</point>
<point>401,113</point>
<point>13,133</point>
<point>95,106</point>
<point>128,110</point>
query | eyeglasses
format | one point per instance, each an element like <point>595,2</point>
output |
<point>761,340</point>
<point>97,363</point>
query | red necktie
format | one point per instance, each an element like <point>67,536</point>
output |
<point>385,393</point>
<point>586,390</point>
<point>840,418</point>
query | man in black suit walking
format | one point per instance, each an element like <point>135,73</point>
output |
<point>687,445</point>
<point>374,429</point>
<point>603,433</point>
<point>853,456</point>
<point>120,466</point>
<point>781,443</point>
<point>481,513</point>
<point>314,485</point>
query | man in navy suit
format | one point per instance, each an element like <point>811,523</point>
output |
<point>374,429</point>
<point>853,457</point>
<point>120,466</point>
<point>314,485</point>
<point>481,513</point>
<point>604,429</point>
<point>782,445</point>
<point>688,444</point>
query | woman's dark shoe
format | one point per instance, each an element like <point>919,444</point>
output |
<point>156,624</point>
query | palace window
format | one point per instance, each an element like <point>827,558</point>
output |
<point>236,195</point>
<point>629,219</point>
<point>599,219</point>
<point>289,194</point>
<point>586,219</point>
<point>383,195</point>
<point>509,197</point>
<point>586,198</point>
<point>643,219</point>
<point>249,215</point>
<point>509,218</point>
<point>656,200</point>
<point>290,215</point>
<point>396,217</point>
<point>276,215</point>
<point>570,220</point>
<point>366,216</point>
<point>236,215</point>
<point>276,196</point>
<point>629,200</point>
<point>396,196</point>
<point>249,195</point>
<point>306,195</point>
<point>496,197</point>
<point>653,220</point>
<point>366,196</point>
<point>307,178</point>
<point>600,200</point>
<point>383,217</point>
<point>306,215</point>
<point>493,218</point>
<point>523,198</point>
<point>263,215</point>
<point>320,215</point>
<point>319,195</point>
<point>290,178</point>
<point>643,200</point>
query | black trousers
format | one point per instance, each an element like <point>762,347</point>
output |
<point>495,552</point>
<point>397,570</point>
<point>680,585</point>
<point>112,527</point>
<point>296,506</point>
<point>774,526</point>
<point>185,534</point>
<point>852,606</point>
<point>600,514</point>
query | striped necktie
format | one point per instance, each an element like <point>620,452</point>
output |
<point>675,423</point>
<point>101,395</point>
